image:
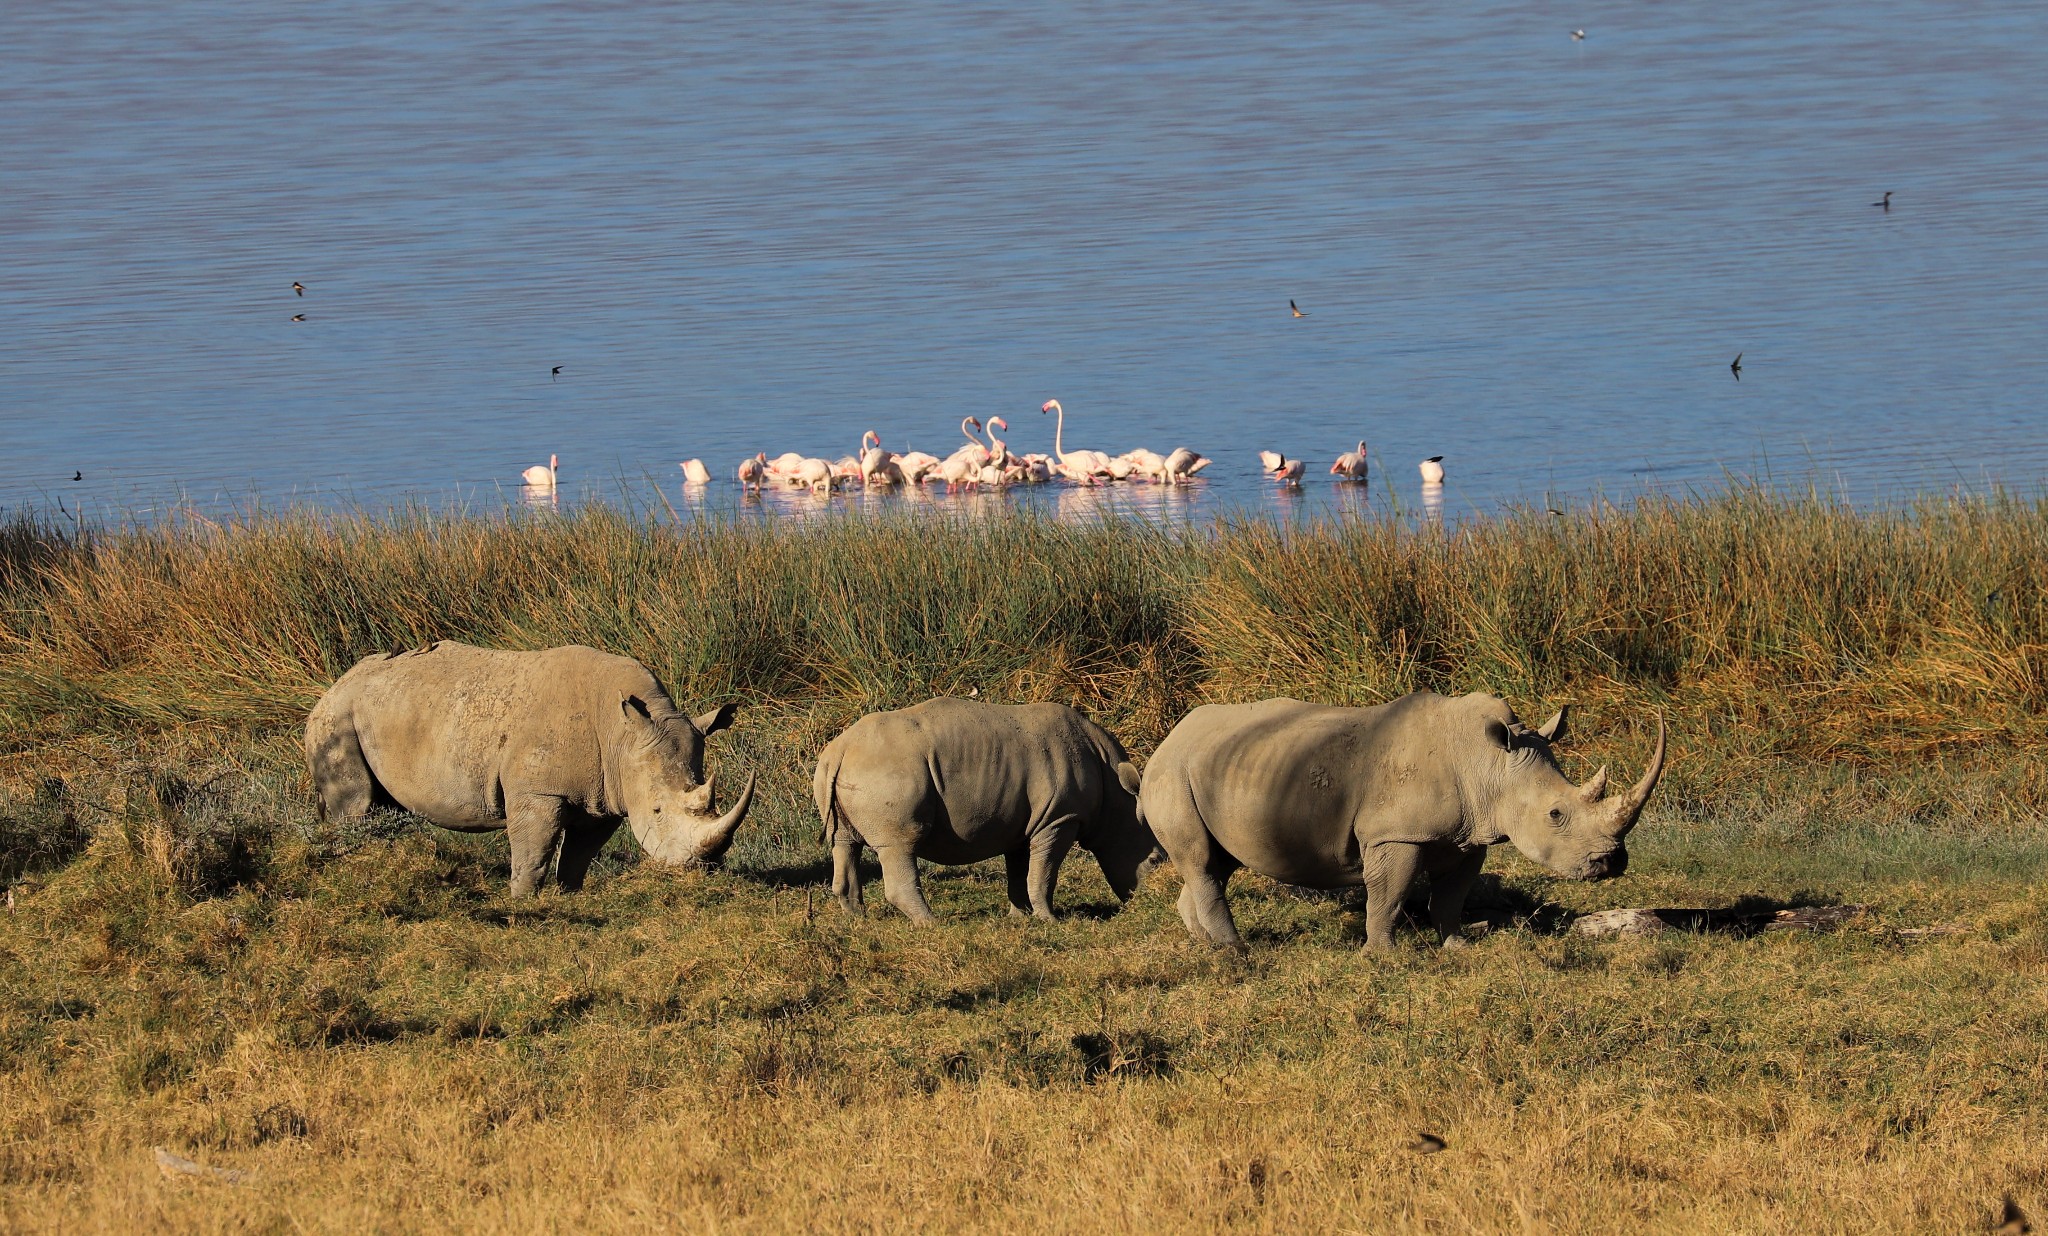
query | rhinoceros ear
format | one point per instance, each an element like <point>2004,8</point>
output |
<point>1500,735</point>
<point>1553,729</point>
<point>634,707</point>
<point>1127,777</point>
<point>717,719</point>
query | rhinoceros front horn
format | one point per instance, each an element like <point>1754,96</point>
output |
<point>1630,805</point>
<point>718,837</point>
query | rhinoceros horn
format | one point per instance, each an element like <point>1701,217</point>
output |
<point>1630,805</point>
<point>696,839</point>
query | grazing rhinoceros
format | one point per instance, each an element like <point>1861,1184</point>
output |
<point>554,747</point>
<point>1330,797</point>
<point>955,781</point>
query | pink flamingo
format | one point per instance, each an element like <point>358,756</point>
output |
<point>695,472</point>
<point>1084,466</point>
<point>1282,469</point>
<point>877,466</point>
<point>1350,465</point>
<point>539,477</point>
<point>754,471</point>
<point>1180,467</point>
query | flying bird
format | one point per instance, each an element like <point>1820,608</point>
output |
<point>1735,366</point>
<point>554,373</point>
<point>1578,36</point>
<point>1297,309</point>
<point>298,287</point>
<point>1885,202</point>
<point>298,317</point>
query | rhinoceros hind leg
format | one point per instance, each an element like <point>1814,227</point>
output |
<point>580,848</point>
<point>846,876</point>
<point>899,883</point>
<point>534,826</point>
<point>1203,906</point>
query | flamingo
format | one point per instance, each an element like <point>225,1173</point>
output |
<point>877,466</point>
<point>975,449</point>
<point>695,472</point>
<point>815,473</point>
<point>785,463</point>
<point>1432,470</point>
<point>1282,469</point>
<point>916,465</point>
<point>998,452</point>
<point>1180,467</point>
<point>1083,466</point>
<point>957,470</point>
<point>539,477</point>
<point>1148,464</point>
<point>754,471</point>
<point>1350,465</point>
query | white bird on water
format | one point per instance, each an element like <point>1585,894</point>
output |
<point>695,472</point>
<point>1432,470</point>
<point>539,477</point>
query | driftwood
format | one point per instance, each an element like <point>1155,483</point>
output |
<point>1644,922</point>
<point>177,1167</point>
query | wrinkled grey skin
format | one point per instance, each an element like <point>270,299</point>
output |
<point>956,781</point>
<point>554,747</point>
<point>1334,797</point>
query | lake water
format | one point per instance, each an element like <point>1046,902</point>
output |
<point>744,227</point>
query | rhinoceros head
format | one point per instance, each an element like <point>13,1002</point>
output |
<point>1119,838</point>
<point>1575,830</point>
<point>660,778</point>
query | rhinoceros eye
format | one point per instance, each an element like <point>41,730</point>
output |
<point>1556,816</point>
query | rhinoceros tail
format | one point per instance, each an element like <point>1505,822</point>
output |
<point>825,790</point>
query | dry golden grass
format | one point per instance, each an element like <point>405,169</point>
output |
<point>359,1019</point>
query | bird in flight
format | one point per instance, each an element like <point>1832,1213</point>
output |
<point>1297,309</point>
<point>1578,36</point>
<point>1735,366</point>
<point>298,317</point>
<point>554,373</point>
<point>298,287</point>
<point>1884,203</point>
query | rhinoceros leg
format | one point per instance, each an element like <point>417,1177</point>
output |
<point>846,875</point>
<point>1034,870</point>
<point>534,826</point>
<point>580,846</point>
<point>899,882</point>
<point>1448,885</point>
<point>1202,904</point>
<point>1390,869</point>
<point>1017,866</point>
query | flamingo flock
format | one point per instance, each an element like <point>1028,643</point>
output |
<point>985,461</point>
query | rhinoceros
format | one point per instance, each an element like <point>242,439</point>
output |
<point>958,781</point>
<point>554,747</point>
<point>1334,797</point>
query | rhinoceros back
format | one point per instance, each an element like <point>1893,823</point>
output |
<point>443,728</point>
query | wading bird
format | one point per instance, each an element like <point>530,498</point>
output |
<point>1886,202</point>
<point>1432,470</point>
<point>1350,465</point>
<point>754,472</point>
<point>539,477</point>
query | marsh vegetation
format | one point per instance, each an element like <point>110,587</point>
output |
<point>359,1018</point>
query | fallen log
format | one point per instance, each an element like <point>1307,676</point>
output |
<point>1650,922</point>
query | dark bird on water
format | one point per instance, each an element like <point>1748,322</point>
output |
<point>1885,202</point>
<point>1735,366</point>
<point>1297,309</point>
<point>78,476</point>
<point>1578,36</point>
<point>298,317</point>
<point>298,287</point>
<point>554,373</point>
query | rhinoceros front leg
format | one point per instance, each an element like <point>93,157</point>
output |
<point>1042,873</point>
<point>534,825</point>
<point>846,876</point>
<point>580,846</point>
<point>899,882</point>
<point>1448,886</point>
<point>1390,869</point>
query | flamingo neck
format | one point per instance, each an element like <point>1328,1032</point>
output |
<point>1059,430</point>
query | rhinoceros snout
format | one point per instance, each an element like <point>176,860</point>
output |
<point>1605,866</point>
